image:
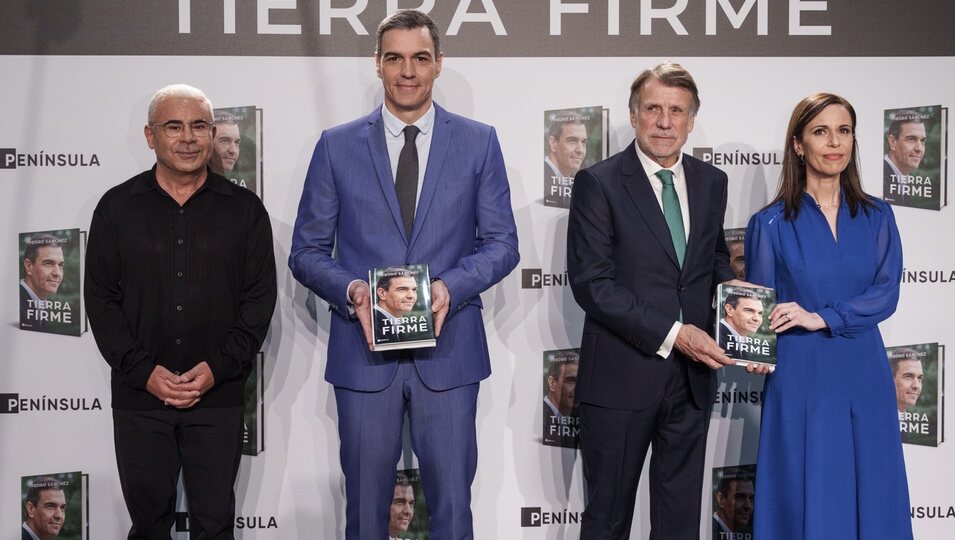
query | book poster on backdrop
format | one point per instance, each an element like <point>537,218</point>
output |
<point>408,514</point>
<point>919,375</point>
<point>561,425</point>
<point>237,146</point>
<point>734,497</point>
<point>55,505</point>
<point>573,139</point>
<point>735,242</point>
<point>915,164</point>
<point>51,281</point>
<point>253,429</point>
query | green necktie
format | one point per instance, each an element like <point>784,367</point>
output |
<point>673,214</point>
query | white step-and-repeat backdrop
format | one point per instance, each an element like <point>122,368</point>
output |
<point>77,76</point>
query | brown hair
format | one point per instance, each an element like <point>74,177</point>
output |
<point>792,180</point>
<point>409,19</point>
<point>903,117</point>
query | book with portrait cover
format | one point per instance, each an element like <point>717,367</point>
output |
<point>55,505</point>
<point>51,281</point>
<point>915,160</point>
<point>573,139</point>
<point>734,496</point>
<point>237,146</point>
<point>408,515</point>
<point>253,429</point>
<point>742,324</point>
<point>401,316</point>
<point>735,240</point>
<point>561,426</point>
<point>919,375</point>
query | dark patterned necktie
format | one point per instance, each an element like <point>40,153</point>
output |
<point>406,177</point>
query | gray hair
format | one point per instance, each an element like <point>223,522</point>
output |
<point>669,74</point>
<point>175,91</point>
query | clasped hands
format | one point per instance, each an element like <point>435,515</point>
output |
<point>360,295</point>
<point>180,391</point>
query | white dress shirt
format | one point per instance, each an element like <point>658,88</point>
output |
<point>679,183</point>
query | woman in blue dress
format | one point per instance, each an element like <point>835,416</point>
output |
<point>830,461</point>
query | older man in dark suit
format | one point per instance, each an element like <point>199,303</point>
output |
<point>645,250</point>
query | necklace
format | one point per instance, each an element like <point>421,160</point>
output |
<point>831,204</point>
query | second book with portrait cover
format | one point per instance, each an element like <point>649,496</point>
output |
<point>401,307</point>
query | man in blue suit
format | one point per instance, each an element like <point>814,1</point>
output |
<point>356,213</point>
<point>645,250</point>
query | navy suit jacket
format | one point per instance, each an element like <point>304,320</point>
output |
<point>625,275</point>
<point>463,229</point>
<point>24,304</point>
<point>887,182</point>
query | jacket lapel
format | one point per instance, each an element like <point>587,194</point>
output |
<point>696,195</point>
<point>440,142</point>
<point>637,185</point>
<point>375,135</point>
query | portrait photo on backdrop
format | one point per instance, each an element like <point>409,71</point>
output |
<point>55,506</point>
<point>733,502</point>
<point>51,281</point>
<point>561,419</point>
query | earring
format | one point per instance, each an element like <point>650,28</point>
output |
<point>802,162</point>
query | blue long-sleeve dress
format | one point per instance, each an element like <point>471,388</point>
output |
<point>830,459</point>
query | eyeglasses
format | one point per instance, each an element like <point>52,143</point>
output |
<point>174,128</point>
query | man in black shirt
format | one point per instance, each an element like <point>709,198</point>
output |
<point>180,290</point>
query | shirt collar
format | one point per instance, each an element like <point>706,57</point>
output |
<point>652,167</point>
<point>395,126</point>
<point>147,182</point>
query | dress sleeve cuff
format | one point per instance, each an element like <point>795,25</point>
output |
<point>222,368</point>
<point>667,347</point>
<point>138,376</point>
<point>833,321</point>
<point>349,307</point>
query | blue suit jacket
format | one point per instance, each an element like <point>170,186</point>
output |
<point>463,229</point>
<point>625,275</point>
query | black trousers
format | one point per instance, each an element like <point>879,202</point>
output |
<point>613,446</point>
<point>153,446</point>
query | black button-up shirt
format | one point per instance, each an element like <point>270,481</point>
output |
<point>177,285</point>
